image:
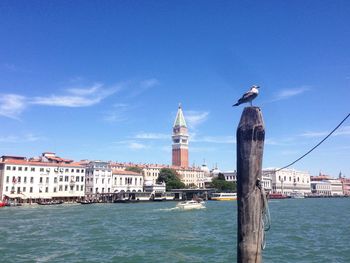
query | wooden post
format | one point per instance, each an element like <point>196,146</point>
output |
<point>250,147</point>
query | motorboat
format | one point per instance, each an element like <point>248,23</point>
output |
<point>224,196</point>
<point>189,205</point>
<point>276,196</point>
<point>297,195</point>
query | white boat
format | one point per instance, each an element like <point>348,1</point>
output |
<point>297,195</point>
<point>188,205</point>
<point>224,196</point>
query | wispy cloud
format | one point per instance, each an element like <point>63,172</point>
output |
<point>12,105</point>
<point>195,118</point>
<point>152,136</point>
<point>343,131</point>
<point>28,137</point>
<point>289,93</point>
<point>82,97</point>
<point>117,113</point>
<point>143,86</point>
<point>132,144</point>
<point>212,139</point>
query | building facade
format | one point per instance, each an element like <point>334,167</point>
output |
<point>127,181</point>
<point>180,141</point>
<point>288,181</point>
<point>44,177</point>
<point>98,179</point>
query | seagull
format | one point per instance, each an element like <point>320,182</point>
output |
<point>248,96</point>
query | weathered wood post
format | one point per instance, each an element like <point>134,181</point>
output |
<point>250,146</point>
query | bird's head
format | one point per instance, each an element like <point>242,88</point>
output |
<point>255,87</point>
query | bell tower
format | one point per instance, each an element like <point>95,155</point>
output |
<point>180,140</point>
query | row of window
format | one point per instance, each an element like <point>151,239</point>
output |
<point>60,188</point>
<point>18,179</point>
<point>290,179</point>
<point>33,169</point>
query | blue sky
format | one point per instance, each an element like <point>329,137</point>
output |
<point>103,79</point>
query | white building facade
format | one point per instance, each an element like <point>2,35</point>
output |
<point>127,181</point>
<point>288,181</point>
<point>41,178</point>
<point>98,178</point>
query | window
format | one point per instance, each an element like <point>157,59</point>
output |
<point>103,189</point>
<point>66,171</point>
<point>96,190</point>
<point>47,180</point>
<point>82,178</point>
<point>72,170</point>
<point>46,189</point>
<point>81,188</point>
<point>77,188</point>
<point>54,190</point>
<point>32,169</point>
<point>25,168</point>
<point>61,178</point>
<point>20,168</point>
<point>31,190</point>
<point>7,179</point>
<point>13,168</point>
<point>24,189</point>
<point>25,179</point>
<point>8,167</point>
<point>60,188</point>
<point>77,170</point>
<point>41,180</point>
<point>66,188</point>
<point>82,170</point>
<point>41,169</point>
<point>120,181</point>
<point>77,178</point>
<point>19,179</point>
<point>109,189</point>
<point>31,180</point>
<point>103,181</point>
<point>55,180</point>
<point>66,178</point>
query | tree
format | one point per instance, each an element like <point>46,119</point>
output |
<point>222,185</point>
<point>171,179</point>
<point>134,169</point>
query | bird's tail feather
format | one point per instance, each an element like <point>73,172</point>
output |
<point>235,104</point>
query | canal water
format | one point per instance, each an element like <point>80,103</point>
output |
<point>303,230</point>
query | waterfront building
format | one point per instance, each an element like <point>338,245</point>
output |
<point>98,178</point>
<point>288,181</point>
<point>321,188</point>
<point>346,186</point>
<point>230,176</point>
<point>180,141</point>
<point>327,185</point>
<point>44,177</point>
<point>127,181</point>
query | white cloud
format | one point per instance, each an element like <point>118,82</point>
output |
<point>85,91</point>
<point>136,146</point>
<point>288,93</point>
<point>152,136</point>
<point>194,118</point>
<point>143,86</point>
<point>65,101</point>
<point>29,137</point>
<point>12,105</point>
<point>117,114</point>
<point>343,131</point>
<point>213,139</point>
<point>132,144</point>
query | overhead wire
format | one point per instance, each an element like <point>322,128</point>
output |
<point>313,148</point>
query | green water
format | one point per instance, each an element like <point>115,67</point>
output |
<point>303,230</point>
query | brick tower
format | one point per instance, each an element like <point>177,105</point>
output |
<point>180,140</point>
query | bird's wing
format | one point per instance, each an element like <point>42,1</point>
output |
<point>246,97</point>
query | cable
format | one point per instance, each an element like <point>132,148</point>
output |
<point>316,145</point>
